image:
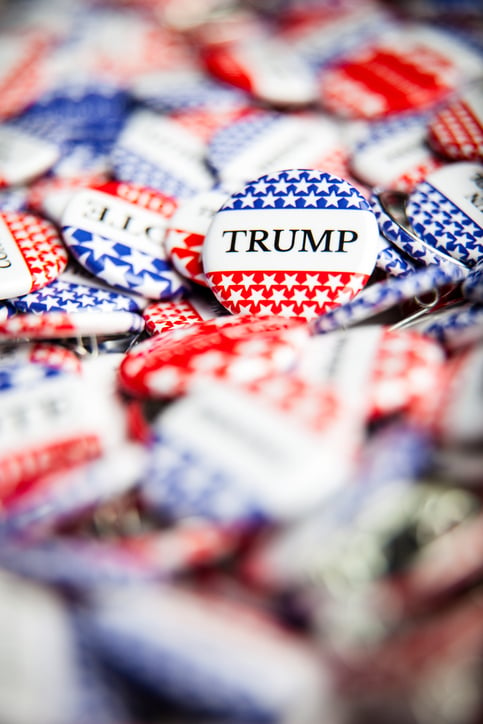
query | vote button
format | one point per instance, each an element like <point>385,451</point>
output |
<point>295,243</point>
<point>116,231</point>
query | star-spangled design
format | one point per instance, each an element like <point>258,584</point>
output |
<point>182,481</point>
<point>129,166</point>
<point>53,355</point>
<point>121,266</point>
<point>456,131</point>
<point>389,127</point>
<point>321,190</point>
<point>161,316</point>
<point>63,296</point>
<point>297,294</point>
<point>420,250</point>
<point>40,245</point>
<point>434,218</point>
<point>386,294</point>
<point>167,365</point>
<point>233,140</point>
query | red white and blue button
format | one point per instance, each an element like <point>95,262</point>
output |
<point>295,243</point>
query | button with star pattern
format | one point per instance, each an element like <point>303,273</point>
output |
<point>456,130</point>
<point>389,208</point>
<point>446,211</point>
<point>31,254</point>
<point>153,150</point>
<point>262,142</point>
<point>295,243</point>
<point>239,348</point>
<point>63,295</point>
<point>116,232</point>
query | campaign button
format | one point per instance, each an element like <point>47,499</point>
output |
<point>406,69</point>
<point>60,325</point>
<point>394,154</point>
<point>238,348</point>
<point>31,254</point>
<point>186,233</point>
<point>263,142</point>
<point>456,131</point>
<point>155,151</point>
<point>23,157</point>
<point>63,295</point>
<point>266,67</point>
<point>389,208</point>
<point>116,232</point>
<point>295,243</point>
<point>446,211</point>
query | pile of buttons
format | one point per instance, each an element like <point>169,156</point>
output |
<point>241,362</point>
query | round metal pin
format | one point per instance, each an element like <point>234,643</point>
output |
<point>389,207</point>
<point>116,232</point>
<point>446,211</point>
<point>456,130</point>
<point>263,142</point>
<point>238,348</point>
<point>294,243</point>
<point>31,254</point>
<point>154,151</point>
